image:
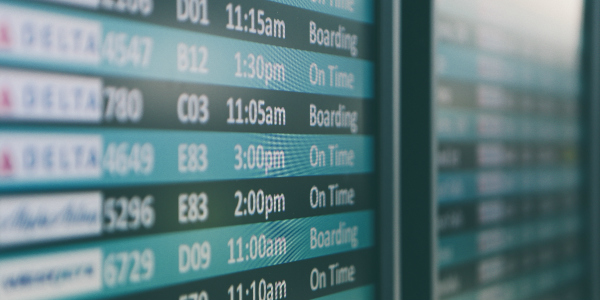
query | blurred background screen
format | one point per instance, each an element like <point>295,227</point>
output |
<point>510,221</point>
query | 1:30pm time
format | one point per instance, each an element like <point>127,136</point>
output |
<point>259,67</point>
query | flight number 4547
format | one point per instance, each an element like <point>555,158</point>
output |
<point>122,50</point>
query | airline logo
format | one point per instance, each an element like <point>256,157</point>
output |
<point>6,104</point>
<point>35,34</point>
<point>28,219</point>
<point>30,157</point>
<point>51,276</point>
<point>6,162</point>
<point>5,35</point>
<point>47,96</point>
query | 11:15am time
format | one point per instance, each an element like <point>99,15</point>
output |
<point>267,26</point>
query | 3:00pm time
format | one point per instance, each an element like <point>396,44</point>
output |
<point>258,158</point>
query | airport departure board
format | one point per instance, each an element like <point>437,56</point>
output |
<point>510,223</point>
<point>187,149</point>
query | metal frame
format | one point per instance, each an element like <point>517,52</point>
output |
<point>590,65</point>
<point>388,95</point>
<point>418,146</point>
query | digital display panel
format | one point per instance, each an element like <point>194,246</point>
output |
<point>187,149</point>
<point>510,220</point>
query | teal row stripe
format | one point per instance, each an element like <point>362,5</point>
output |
<point>463,63</point>
<point>299,155</point>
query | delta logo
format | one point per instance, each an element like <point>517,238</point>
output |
<point>6,163</point>
<point>6,103</point>
<point>5,36</point>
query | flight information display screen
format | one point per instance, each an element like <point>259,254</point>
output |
<point>510,222</point>
<point>187,149</point>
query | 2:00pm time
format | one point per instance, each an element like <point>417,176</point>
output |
<point>258,203</point>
